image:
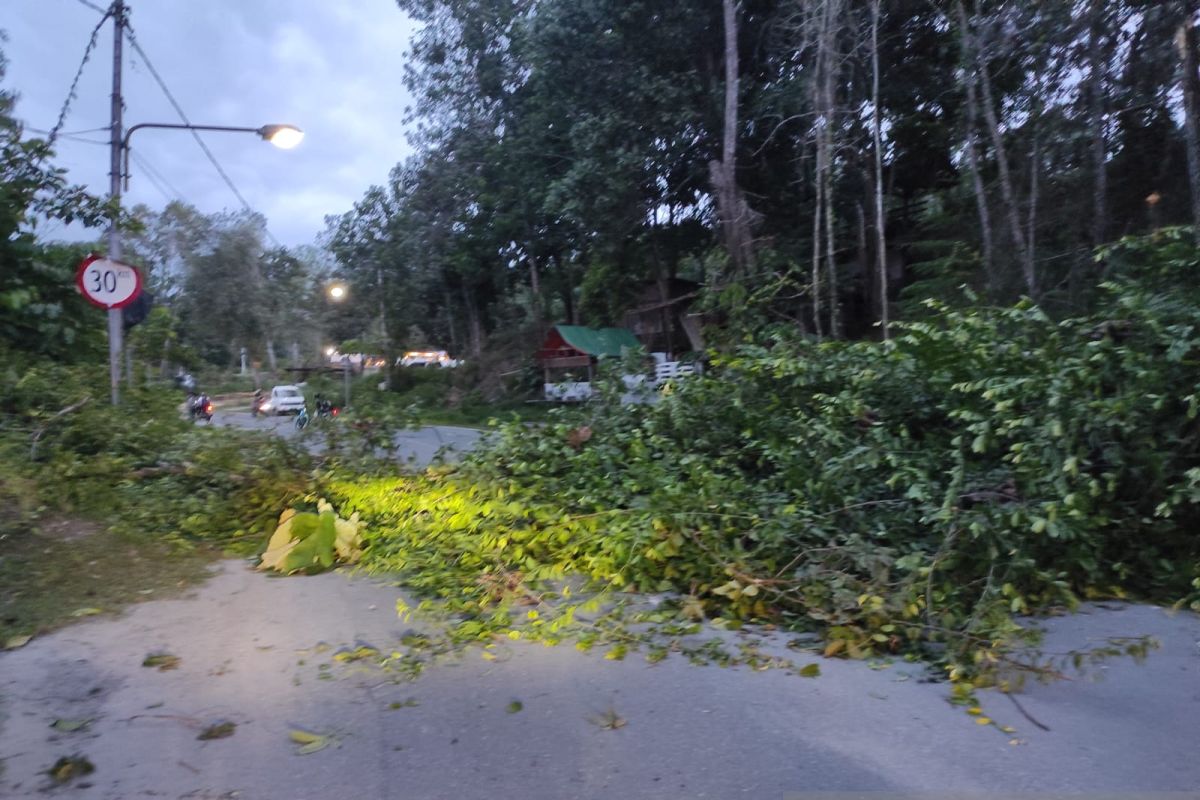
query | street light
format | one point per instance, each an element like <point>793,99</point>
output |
<point>285,137</point>
<point>336,292</point>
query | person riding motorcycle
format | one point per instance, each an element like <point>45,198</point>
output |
<point>200,406</point>
<point>256,404</point>
<point>323,407</point>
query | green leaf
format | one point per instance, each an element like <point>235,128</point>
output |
<point>218,730</point>
<point>810,671</point>
<point>163,661</point>
<point>70,725</point>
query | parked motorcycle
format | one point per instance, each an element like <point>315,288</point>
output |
<point>302,419</point>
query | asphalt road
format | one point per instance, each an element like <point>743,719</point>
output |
<point>417,448</point>
<point>540,723</point>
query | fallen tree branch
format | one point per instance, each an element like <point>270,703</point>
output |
<point>1025,713</point>
<point>37,435</point>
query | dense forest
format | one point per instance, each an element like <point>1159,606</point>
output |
<point>822,164</point>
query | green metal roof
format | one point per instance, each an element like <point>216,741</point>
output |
<point>598,341</point>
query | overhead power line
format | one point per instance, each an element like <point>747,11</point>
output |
<point>156,178</point>
<point>94,7</point>
<point>129,34</point>
<point>66,106</point>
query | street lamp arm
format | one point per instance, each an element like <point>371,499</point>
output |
<point>285,136</point>
<point>181,127</point>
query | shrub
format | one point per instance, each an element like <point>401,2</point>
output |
<point>898,496</point>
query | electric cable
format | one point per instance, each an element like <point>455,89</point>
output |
<point>94,7</point>
<point>129,34</point>
<point>66,106</point>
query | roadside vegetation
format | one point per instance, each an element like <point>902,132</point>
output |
<point>114,505</point>
<point>917,497</point>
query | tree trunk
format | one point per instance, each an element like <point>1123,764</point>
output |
<point>828,58</point>
<point>1034,162</point>
<point>985,217</point>
<point>1096,113</point>
<point>876,134</point>
<point>474,322</point>
<point>271,361</point>
<point>737,219</point>
<point>1006,185</point>
<point>535,292</point>
<point>1185,43</point>
<point>455,342</point>
<point>816,255</point>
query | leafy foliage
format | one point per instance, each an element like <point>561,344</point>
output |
<point>308,542</point>
<point>913,496</point>
<point>141,468</point>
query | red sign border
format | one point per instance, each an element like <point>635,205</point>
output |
<point>87,262</point>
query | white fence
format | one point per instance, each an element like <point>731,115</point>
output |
<point>638,388</point>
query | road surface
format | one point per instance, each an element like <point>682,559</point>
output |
<point>553,723</point>
<point>417,447</point>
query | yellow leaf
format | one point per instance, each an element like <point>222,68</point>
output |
<point>835,647</point>
<point>983,721</point>
<point>304,737</point>
<point>975,710</point>
<point>312,748</point>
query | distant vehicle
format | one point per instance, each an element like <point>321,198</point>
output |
<point>427,358</point>
<point>285,399</point>
<point>200,407</point>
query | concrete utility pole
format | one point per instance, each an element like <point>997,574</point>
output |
<point>115,329</point>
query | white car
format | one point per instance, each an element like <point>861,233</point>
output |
<point>285,399</point>
<point>427,358</point>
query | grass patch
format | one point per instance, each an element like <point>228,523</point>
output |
<point>71,569</point>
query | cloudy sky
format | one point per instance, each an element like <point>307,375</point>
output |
<point>332,67</point>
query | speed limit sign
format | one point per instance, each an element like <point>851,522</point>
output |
<point>107,283</point>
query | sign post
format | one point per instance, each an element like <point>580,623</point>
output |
<point>111,285</point>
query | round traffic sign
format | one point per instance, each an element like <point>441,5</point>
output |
<point>107,283</point>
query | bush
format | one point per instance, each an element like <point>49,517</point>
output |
<point>898,496</point>
<point>141,467</point>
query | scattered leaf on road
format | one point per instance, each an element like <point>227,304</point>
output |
<point>514,706</point>
<point>409,703</point>
<point>13,642</point>
<point>810,671</point>
<point>309,742</point>
<point>86,612</point>
<point>357,654</point>
<point>610,720</point>
<point>69,767</point>
<point>218,730</point>
<point>164,661</point>
<point>70,725</point>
